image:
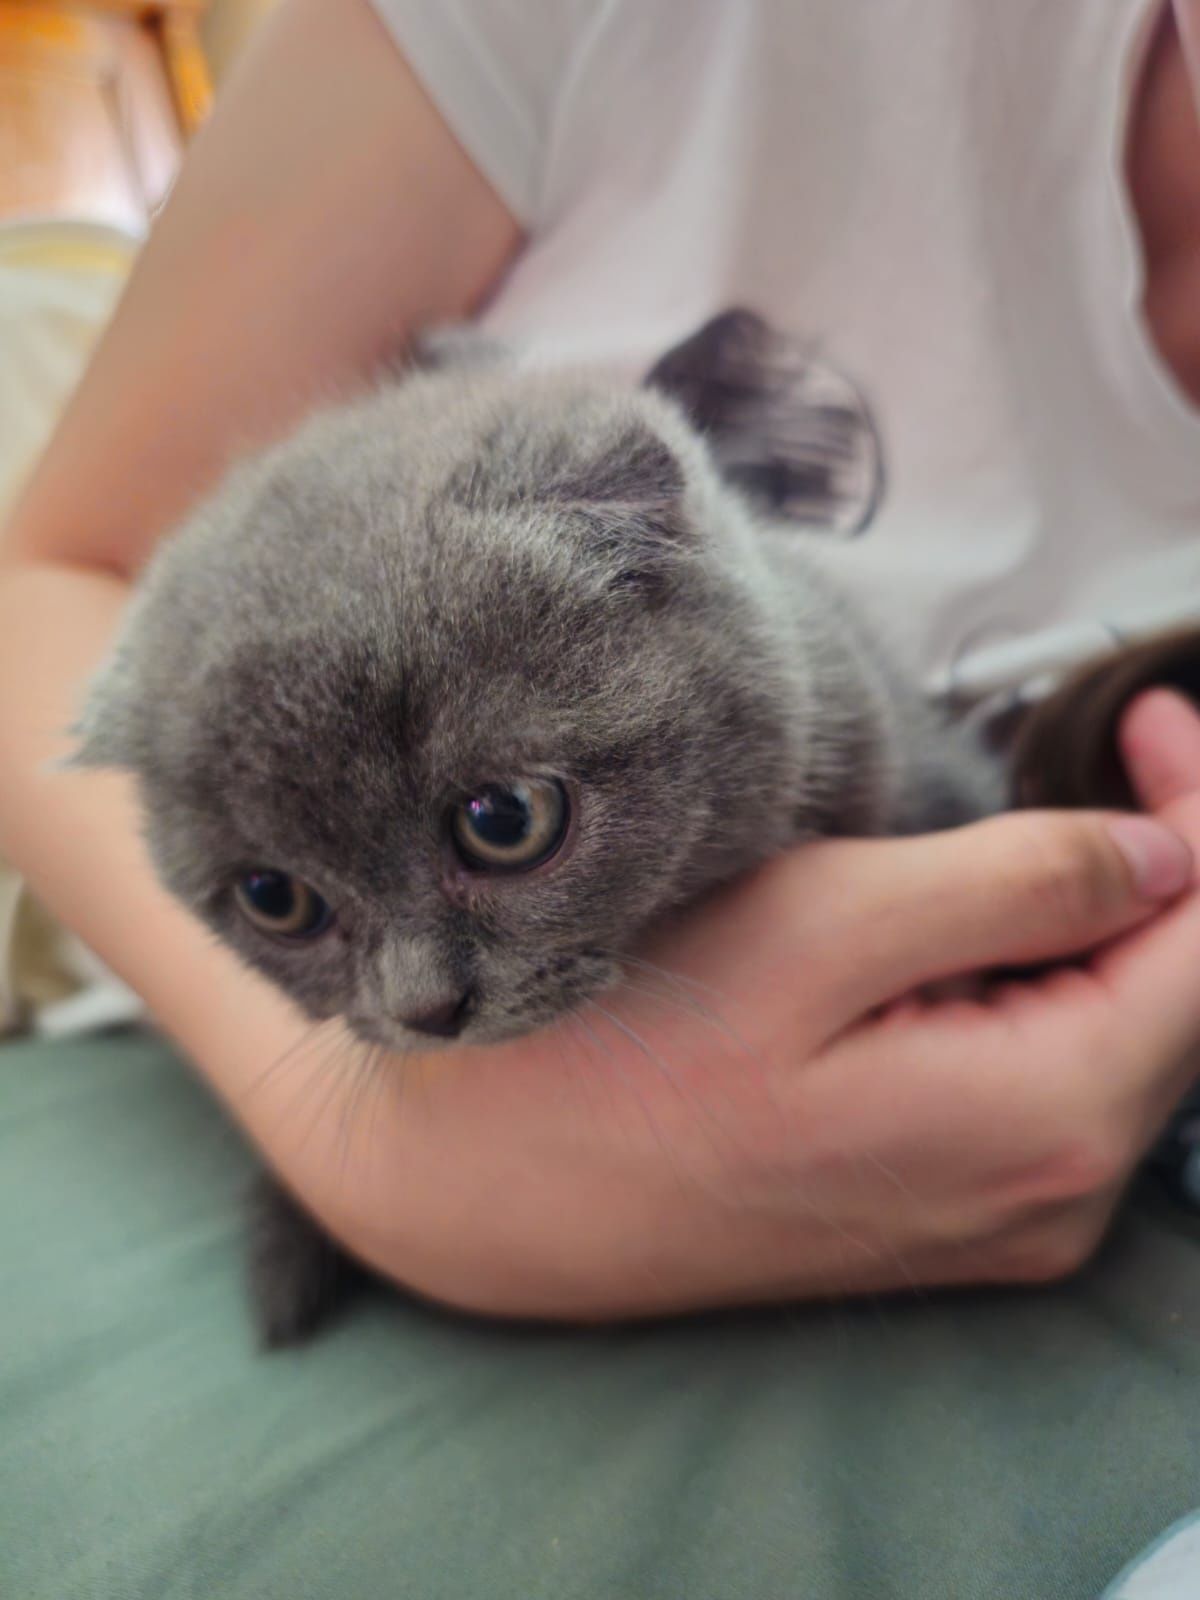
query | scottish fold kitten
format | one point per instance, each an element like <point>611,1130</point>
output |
<point>441,702</point>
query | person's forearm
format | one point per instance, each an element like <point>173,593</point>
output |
<point>1187,18</point>
<point>75,836</point>
<point>324,213</point>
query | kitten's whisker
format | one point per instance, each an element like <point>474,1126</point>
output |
<point>333,1073</point>
<point>682,1004</point>
<point>884,1255</point>
<point>378,1076</point>
<point>303,1040</point>
<point>312,1065</point>
<point>586,1037</point>
<point>889,1252</point>
<point>351,1102</point>
<point>676,978</point>
<point>689,1006</point>
<point>321,1071</point>
<point>651,1120</point>
<point>612,1064</point>
<point>971,1252</point>
<point>390,1074</point>
<point>718,1020</point>
<point>694,1102</point>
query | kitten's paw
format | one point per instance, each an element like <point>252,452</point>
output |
<point>297,1276</point>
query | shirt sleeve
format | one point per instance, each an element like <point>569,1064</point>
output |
<point>495,69</point>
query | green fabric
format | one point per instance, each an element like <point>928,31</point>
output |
<point>1022,1446</point>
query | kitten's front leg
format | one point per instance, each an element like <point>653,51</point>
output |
<point>296,1275</point>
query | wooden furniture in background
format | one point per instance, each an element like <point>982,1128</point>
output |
<point>96,101</point>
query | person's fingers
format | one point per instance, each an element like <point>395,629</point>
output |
<point>1153,977</point>
<point>875,919</point>
<point>1159,739</point>
<point>1153,983</point>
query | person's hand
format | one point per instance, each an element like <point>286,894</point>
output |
<point>769,1109</point>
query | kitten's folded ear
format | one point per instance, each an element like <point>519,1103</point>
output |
<point>637,474</point>
<point>631,496</point>
<point>791,434</point>
<point>596,458</point>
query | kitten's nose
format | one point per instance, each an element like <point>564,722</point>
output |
<point>444,1021</point>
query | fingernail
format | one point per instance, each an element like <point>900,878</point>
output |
<point>1160,861</point>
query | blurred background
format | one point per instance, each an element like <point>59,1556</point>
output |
<point>97,104</point>
<point>97,99</point>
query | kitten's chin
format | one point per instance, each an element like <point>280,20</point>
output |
<point>400,1040</point>
<point>486,1027</point>
<point>480,1032</point>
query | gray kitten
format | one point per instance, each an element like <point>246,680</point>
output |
<point>437,706</point>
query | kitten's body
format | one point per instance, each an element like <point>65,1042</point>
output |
<point>473,576</point>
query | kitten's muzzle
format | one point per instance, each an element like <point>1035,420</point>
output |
<point>445,1021</point>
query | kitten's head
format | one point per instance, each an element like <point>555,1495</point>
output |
<point>435,706</point>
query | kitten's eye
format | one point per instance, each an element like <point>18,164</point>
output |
<point>511,827</point>
<point>275,902</point>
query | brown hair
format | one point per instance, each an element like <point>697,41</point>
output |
<point>1066,750</point>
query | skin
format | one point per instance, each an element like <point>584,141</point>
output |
<point>779,1116</point>
<point>1163,164</point>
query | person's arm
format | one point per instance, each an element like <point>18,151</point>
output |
<point>1163,170</point>
<point>744,1125</point>
<point>1187,20</point>
<point>324,213</point>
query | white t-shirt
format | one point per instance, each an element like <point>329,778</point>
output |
<point>932,190</point>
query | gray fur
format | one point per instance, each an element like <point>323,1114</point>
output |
<point>468,577</point>
<point>478,574</point>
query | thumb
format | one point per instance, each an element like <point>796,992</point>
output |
<point>1159,737</point>
<point>890,915</point>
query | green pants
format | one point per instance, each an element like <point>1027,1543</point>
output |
<point>999,1446</point>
